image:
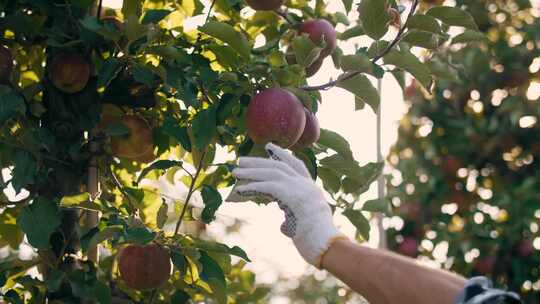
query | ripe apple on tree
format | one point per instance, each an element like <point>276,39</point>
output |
<point>312,131</point>
<point>310,70</point>
<point>275,115</point>
<point>144,267</point>
<point>6,64</point>
<point>408,247</point>
<point>319,31</point>
<point>138,144</point>
<point>69,72</point>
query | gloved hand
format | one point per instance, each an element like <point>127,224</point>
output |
<point>285,179</point>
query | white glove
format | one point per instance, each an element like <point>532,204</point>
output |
<point>285,179</point>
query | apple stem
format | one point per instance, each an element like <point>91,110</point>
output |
<point>152,296</point>
<point>349,75</point>
<point>190,192</point>
<point>121,188</point>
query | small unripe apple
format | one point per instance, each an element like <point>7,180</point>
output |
<point>320,30</point>
<point>6,64</point>
<point>138,143</point>
<point>265,5</point>
<point>144,267</point>
<point>312,130</point>
<point>275,115</point>
<point>69,72</point>
<point>409,247</point>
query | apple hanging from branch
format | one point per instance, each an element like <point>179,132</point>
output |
<point>275,115</point>
<point>138,144</point>
<point>144,267</point>
<point>69,72</point>
<point>312,131</point>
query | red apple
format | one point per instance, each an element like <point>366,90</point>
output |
<point>265,5</point>
<point>312,131</point>
<point>69,72</point>
<point>320,30</point>
<point>485,265</point>
<point>138,143</point>
<point>6,64</point>
<point>144,267</point>
<point>275,115</point>
<point>409,247</point>
<point>451,164</point>
<point>525,248</point>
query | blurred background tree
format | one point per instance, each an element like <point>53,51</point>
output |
<point>465,188</point>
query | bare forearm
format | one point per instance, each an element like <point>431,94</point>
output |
<point>384,277</point>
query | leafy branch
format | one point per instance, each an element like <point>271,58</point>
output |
<point>350,75</point>
<point>190,192</point>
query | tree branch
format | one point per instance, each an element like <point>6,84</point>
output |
<point>210,11</point>
<point>349,75</point>
<point>190,193</point>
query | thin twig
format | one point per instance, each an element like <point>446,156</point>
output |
<point>100,6</point>
<point>210,11</point>
<point>349,75</point>
<point>190,193</point>
<point>121,188</point>
<point>152,296</point>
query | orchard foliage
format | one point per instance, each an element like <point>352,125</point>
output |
<point>96,103</point>
<point>467,160</point>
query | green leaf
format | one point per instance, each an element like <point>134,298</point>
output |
<point>148,203</point>
<point>101,235</point>
<point>229,35</point>
<point>470,36</point>
<point>11,105</point>
<point>159,165</point>
<point>453,16</point>
<point>360,182</point>
<point>139,235</point>
<point>204,127</point>
<point>331,181</point>
<point>410,63</point>
<point>305,51</point>
<point>359,221</point>
<point>214,276</point>
<point>155,16</point>
<point>110,69</point>
<point>24,172</point>
<point>162,215</point>
<point>74,200</point>
<point>212,200</point>
<point>352,32</point>
<point>336,142</point>
<point>374,17</point>
<point>180,297</point>
<point>422,39</point>
<point>377,205</point>
<point>424,23</point>
<point>362,88</point>
<point>81,201</point>
<point>358,62</point>
<point>39,220</point>
<point>10,233</point>
<point>55,279</point>
<point>179,261</point>
<point>347,4</point>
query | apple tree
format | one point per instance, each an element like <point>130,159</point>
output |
<point>95,103</point>
<point>466,180</point>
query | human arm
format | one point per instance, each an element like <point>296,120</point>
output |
<point>380,276</point>
<point>385,277</point>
